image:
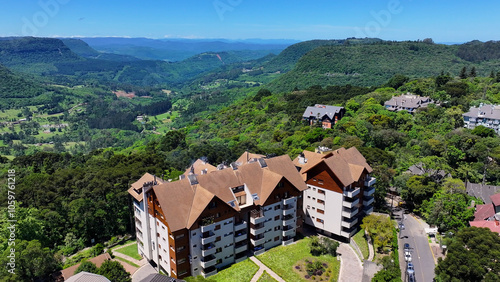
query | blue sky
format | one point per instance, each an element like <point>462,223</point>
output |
<point>443,20</point>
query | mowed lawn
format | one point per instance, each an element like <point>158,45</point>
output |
<point>282,260</point>
<point>265,277</point>
<point>130,251</point>
<point>241,272</point>
<point>360,240</point>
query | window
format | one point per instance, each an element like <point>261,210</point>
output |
<point>159,246</point>
<point>320,220</point>
<point>277,228</point>
<point>218,261</point>
<point>212,205</point>
<point>228,234</point>
<point>182,260</point>
<point>159,257</point>
<point>158,235</point>
<point>228,222</point>
<point>182,272</point>
<point>320,211</point>
<point>217,215</point>
<point>320,181</point>
<point>195,269</point>
<point>195,257</point>
<point>157,223</point>
<point>276,238</point>
<point>217,227</point>
<point>321,202</point>
<point>277,217</point>
<point>194,246</point>
<point>309,197</point>
<point>218,250</point>
<point>179,249</point>
<point>242,200</point>
<point>308,206</point>
<point>321,191</point>
<point>314,179</point>
<point>217,239</point>
<point>228,245</point>
<point>179,237</point>
<point>281,184</point>
<point>314,208</point>
<point>163,227</point>
<point>314,189</point>
<point>193,234</point>
<point>277,207</point>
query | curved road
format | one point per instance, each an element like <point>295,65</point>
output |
<point>421,253</point>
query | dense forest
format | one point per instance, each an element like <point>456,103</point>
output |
<point>68,198</point>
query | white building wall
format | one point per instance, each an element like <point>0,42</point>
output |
<point>226,244</point>
<point>165,246</point>
<point>332,218</point>
<point>195,251</point>
<point>270,224</point>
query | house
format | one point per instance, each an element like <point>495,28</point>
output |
<point>340,190</point>
<point>482,191</point>
<point>407,102</point>
<point>485,115</point>
<point>87,277</point>
<point>488,215</point>
<point>65,274</point>
<point>204,222</point>
<point>327,115</point>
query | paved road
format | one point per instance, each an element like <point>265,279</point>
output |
<point>421,253</point>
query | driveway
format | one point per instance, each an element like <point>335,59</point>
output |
<point>422,256</point>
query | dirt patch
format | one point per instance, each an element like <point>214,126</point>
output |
<point>122,93</point>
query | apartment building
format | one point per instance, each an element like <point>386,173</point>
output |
<point>485,115</point>
<point>212,218</point>
<point>340,190</point>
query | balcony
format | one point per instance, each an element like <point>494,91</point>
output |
<point>259,250</point>
<point>240,225</point>
<point>208,261</point>
<point>208,227</point>
<point>349,223</point>
<point>257,216</point>
<point>208,271</point>
<point>351,193</point>
<point>288,220</point>
<point>240,249</point>
<point>208,250</point>
<point>367,201</point>
<point>368,210</point>
<point>370,181</point>
<point>240,236</point>
<point>348,233</point>
<point>207,238</point>
<point>349,213</point>
<point>240,259</point>
<point>289,211</point>
<point>348,203</point>
<point>369,191</point>
<point>289,201</point>
<point>257,241</point>
<point>258,229</point>
<point>288,231</point>
<point>287,242</point>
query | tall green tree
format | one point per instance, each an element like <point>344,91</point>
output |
<point>463,73</point>
<point>472,256</point>
<point>114,271</point>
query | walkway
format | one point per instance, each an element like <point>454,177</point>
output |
<point>129,268</point>
<point>350,265</point>
<point>262,267</point>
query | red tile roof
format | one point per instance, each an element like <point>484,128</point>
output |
<point>483,212</point>
<point>493,225</point>
<point>70,271</point>
<point>495,199</point>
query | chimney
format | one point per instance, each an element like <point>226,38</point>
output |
<point>192,170</point>
<point>302,159</point>
<point>204,171</point>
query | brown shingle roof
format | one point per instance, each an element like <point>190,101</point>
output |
<point>246,156</point>
<point>183,203</point>
<point>200,165</point>
<point>136,188</point>
<point>347,165</point>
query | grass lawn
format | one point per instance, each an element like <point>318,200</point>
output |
<point>360,240</point>
<point>266,278</point>
<point>282,260</point>
<point>241,272</point>
<point>127,261</point>
<point>130,251</point>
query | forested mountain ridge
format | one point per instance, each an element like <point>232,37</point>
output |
<point>374,64</point>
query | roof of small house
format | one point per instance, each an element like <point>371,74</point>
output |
<point>321,110</point>
<point>484,111</point>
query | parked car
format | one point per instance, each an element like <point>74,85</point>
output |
<point>407,256</point>
<point>410,269</point>
<point>407,247</point>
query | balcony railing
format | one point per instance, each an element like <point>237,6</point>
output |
<point>208,272</point>
<point>208,261</point>
<point>351,193</point>
<point>369,191</point>
<point>288,220</point>
<point>207,227</point>
<point>258,229</point>
<point>259,251</point>
<point>257,216</point>
<point>349,213</point>
<point>368,210</point>
<point>288,201</point>
<point>240,249</point>
<point>209,238</point>
<point>349,222</point>
<point>257,241</point>
<point>289,232</point>
<point>240,225</point>
<point>208,250</point>
<point>370,181</point>
<point>288,212</point>
<point>350,204</point>
<point>367,201</point>
<point>240,236</point>
<point>287,242</point>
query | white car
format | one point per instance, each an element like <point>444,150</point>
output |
<point>407,256</point>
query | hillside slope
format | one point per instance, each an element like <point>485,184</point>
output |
<point>374,64</point>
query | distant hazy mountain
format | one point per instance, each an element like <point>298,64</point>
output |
<point>180,49</point>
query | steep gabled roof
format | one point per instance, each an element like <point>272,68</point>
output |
<point>135,189</point>
<point>176,199</point>
<point>484,212</point>
<point>201,200</point>
<point>199,166</point>
<point>246,156</point>
<point>347,165</point>
<point>321,111</point>
<point>495,199</point>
